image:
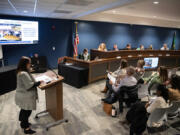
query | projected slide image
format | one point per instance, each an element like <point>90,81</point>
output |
<point>18,32</point>
<point>148,62</point>
<point>151,62</point>
<point>10,32</point>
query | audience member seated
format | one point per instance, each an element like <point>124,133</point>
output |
<point>174,91</point>
<point>161,101</point>
<point>115,47</point>
<point>157,77</point>
<point>127,81</point>
<point>164,47</point>
<point>137,118</point>
<point>102,47</point>
<point>128,47</point>
<point>85,55</point>
<point>139,69</point>
<point>118,74</point>
<point>141,47</point>
<point>150,47</point>
<point>174,94</point>
<point>39,63</point>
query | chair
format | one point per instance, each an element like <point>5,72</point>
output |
<point>157,116</point>
<point>128,95</point>
<point>160,115</point>
<point>174,108</point>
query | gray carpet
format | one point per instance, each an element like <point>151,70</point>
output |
<point>82,107</point>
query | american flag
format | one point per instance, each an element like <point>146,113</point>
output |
<point>76,42</point>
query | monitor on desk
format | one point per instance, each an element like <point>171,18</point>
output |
<point>151,62</point>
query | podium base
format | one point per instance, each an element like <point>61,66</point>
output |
<point>49,125</point>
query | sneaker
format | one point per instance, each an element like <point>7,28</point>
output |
<point>29,131</point>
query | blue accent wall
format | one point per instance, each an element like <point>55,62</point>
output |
<point>91,34</point>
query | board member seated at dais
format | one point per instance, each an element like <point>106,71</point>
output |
<point>128,47</point>
<point>102,47</point>
<point>85,55</point>
<point>141,47</point>
<point>115,47</point>
<point>165,47</point>
<point>150,47</point>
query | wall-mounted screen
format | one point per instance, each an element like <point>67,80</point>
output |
<point>151,62</point>
<point>18,32</point>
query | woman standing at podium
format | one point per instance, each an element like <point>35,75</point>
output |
<point>26,93</point>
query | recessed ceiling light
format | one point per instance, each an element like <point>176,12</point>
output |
<point>25,11</point>
<point>156,2</point>
<point>114,11</point>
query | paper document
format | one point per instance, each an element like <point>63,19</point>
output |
<point>44,78</point>
<point>112,78</point>
<point>68,64</point>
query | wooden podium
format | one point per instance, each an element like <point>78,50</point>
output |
<point>54,98</point>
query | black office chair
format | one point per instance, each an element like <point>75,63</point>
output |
<point>129,95</point>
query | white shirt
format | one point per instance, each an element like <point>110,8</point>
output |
<point>159,102</point>
<point>164,48</point>
<point>119,72</point>
<point>86,56</point>
<point>126,81</point>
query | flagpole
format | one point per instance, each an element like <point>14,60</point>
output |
<point>75,53</point>
<point>76,23</point>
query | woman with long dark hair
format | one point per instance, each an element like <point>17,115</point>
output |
<point>159,77</point>
<point>174,91</point>
<point>26,93</point>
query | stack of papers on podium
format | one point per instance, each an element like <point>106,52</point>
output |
<point>112,78</point>
<point>44,78</point>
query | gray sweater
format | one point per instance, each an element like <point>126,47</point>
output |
<point>26,94</point>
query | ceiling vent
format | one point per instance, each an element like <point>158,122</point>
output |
<point>79,2</point>
<point>62,11</point>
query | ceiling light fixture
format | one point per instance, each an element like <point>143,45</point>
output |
<point>12,6</point>
<point>25,11</point>
<point>156,2</point>
<point>35,5</point>
<point>114,11</point>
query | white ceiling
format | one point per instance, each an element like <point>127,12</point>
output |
<point>69,9</point>
<point>144,12</point>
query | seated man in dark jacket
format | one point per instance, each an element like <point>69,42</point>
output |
<point>39,64</point>
<point>35,61</point>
